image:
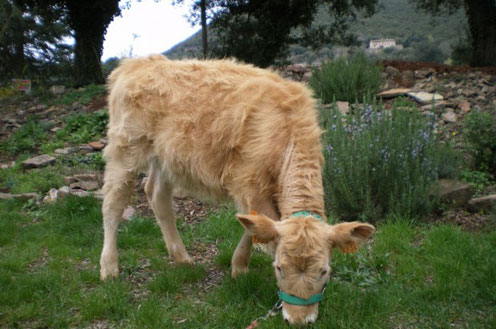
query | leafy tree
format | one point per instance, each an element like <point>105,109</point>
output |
<point>206,10</point>
<point>31,44</point>
<point>481,16</point>
<point>260,32</point>
<point>89,20</point>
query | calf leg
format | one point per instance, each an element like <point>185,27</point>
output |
<point>242,254</point>
<point>159,193</point>
<point>118,188</point>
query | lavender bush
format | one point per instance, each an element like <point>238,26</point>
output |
<point>379,162</point>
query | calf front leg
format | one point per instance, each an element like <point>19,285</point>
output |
<point>242,254</point>
<point>117,189</point>
<point>159,193</point>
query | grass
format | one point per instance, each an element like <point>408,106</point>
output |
<point>409,277</point>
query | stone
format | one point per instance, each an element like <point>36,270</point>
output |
<point>425,98</point>
<point>85,185</point>
<point>128,213</point>
<point>64,151</point>
<point>392,71</point>
<point>64,191</point>
<point>86,177</point>
<point>22,196</point>
<point>455,193</point>
<point>343,107</point>
<point>68,180</point>
<point>98,194</point>
<point>449,116</point>
<point>436,106</point>
<point>482,204</point>
<point>55,129</point>
<point>394,92</point>
<point>424,73</point>
<point>85,148</point>
<point>306,76</point>
<point>51,196</point>
<point>57,90</point>
<point>464,106</point>
<point>38,161</point>
<point>80,193</point>
<point>96,146</point>
<point>7,165</point>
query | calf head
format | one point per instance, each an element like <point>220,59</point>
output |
<point>302,248</point>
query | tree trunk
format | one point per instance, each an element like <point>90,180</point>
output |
<point>482,21</point>
<point>88,51</point>
<point>203,7</point>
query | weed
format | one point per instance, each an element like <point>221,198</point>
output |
<point>28,138</point>
<point>480,137</point>
<point>81,128</point>
<point>83,96</point>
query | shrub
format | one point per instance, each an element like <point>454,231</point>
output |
<point>480,139</point>
<point>380,162</point>
<point>83,96</point>
<point>347,79</point>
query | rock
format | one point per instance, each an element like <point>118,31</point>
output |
<point>68,180</point>
<point>85,185</point>
<point>436,106</point>
<point>57,90</point>
<point>449,116</point>
<point>39,161</point>
<point>343,107</point>
<point>51,196</point>
<point>407,78</point>
<point>464,106</point>
<point>64,151</point>
<point>85,148</point>
<point>96,146</point>
<point>80,193</point>
<point>425,98</point>
<point>455,193</point>
<point>391,71</point>
<point>483,204</point>
<point>98,194</point>
<point>394,92</point>
<point>55,129</point>
<point>86,177</point>
<point>64,191</point>
<point>128,213</point>
<point>424,73</point>
<point>22,196</point>
<point>7,165</point>
<point>306,76</point>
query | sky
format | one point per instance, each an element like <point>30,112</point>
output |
<point>147,27</point>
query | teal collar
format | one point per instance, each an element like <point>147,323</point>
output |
<point>290,299</point>
<point>306,213</point>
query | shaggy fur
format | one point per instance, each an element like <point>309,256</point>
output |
<point>219,130</point>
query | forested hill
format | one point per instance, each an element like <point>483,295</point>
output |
<point>417,32</point>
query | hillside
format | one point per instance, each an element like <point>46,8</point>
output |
<point>418,33</point>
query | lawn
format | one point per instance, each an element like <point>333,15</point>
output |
<point>407,276</point>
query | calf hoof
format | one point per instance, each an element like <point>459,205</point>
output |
<point>107,271</point>
<point>186,260</point>
<point>237,270</point>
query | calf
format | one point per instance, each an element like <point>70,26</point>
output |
<point>222,130</point>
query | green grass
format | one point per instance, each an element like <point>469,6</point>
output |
<point>410,276</point>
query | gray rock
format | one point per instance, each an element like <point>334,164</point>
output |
<point>85,148</point>
<point>449,116</point>
<point>51,196</point>
<point>464,106</point>
<point>455,193</point>
<point>425,98</point>
<point>86,177</point>
<point>85,185</point>
<point>57,90</point>
<point>483,204</point>
<point>68,180</point>
<point>39,161</point>
<point>392,71</point>
<point>394,92</point>
<point>64,151</point>
<point>64,191</point>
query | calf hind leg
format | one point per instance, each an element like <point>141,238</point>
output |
<point>159,193</point>
<point>118,188</point>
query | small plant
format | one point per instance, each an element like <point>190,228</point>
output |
<point>347,79</point>
<point>480,138</point>
<point>83,96</point>
<point>379,163</point>
<point>478,179</point>
<point>81,128</point>
<point>28,138</point>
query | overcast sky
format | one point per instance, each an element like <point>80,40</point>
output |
<point>147,27</point>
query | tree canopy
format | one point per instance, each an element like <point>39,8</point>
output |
<point>481,16</point>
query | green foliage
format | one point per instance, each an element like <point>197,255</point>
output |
<point>480,137</point>
<point>82,128</point>
<point>347,79</point>
<point>83,95</point>
<point>380,162</point>
<point>28,138</point>
<point>478,179</point>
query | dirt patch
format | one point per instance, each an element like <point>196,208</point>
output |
<point>441,68</point>
<point>466,220</point>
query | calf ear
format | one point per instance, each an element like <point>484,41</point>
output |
<point>347,236</point>
<point>261,228</point>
